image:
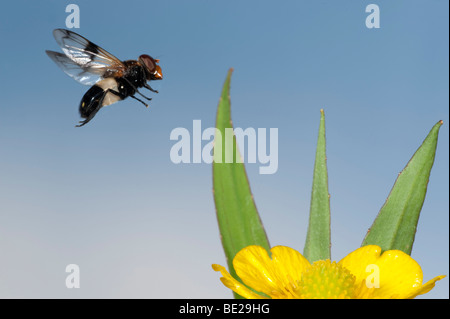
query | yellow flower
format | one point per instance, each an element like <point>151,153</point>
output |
<point>363,274</point>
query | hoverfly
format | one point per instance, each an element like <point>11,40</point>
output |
<point>112,80</point>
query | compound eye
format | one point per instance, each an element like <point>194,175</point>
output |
<point>148,62</point>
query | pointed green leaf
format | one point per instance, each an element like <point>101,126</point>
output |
<point>238,219</point>
<point>317,245</point>
<point>395,225</point>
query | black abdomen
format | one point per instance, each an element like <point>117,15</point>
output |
<point>90,101</point>
<point>104,92</point>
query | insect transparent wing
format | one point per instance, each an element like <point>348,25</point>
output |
<point>86,76</point>
<point>88,55</point>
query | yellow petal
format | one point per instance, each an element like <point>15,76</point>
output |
<point>235,285</point>
<point>400,276</point>
<point>425,288</point>
<point>289,265</point>
<point>277,277</point>
<point>254,266</point>
<point>357,261</point>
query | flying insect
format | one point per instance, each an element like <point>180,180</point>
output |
<point>112,80</point>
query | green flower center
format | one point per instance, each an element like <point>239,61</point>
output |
<point>327,280</point>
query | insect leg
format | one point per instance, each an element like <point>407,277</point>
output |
<point>135,88</point>
<point>118,94</point>
<point>150,88</point>
<point>146,105</point>
<point>148,98</point>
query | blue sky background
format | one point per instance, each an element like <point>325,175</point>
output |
<point>107,197</point>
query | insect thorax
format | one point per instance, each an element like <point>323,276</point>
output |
<point>135,74</point>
